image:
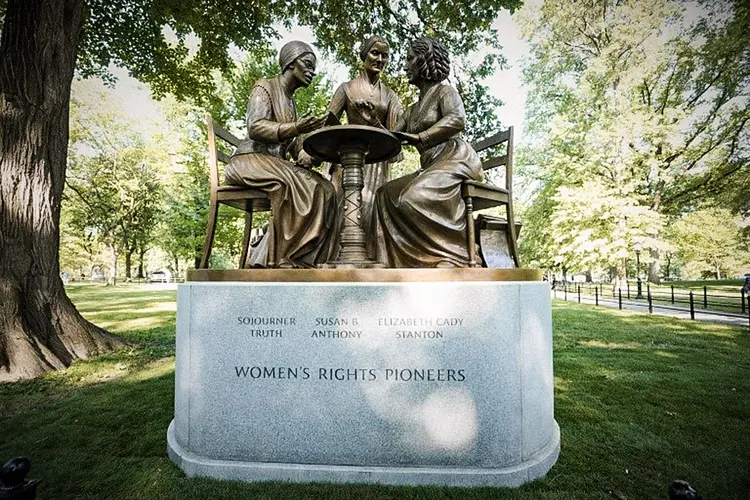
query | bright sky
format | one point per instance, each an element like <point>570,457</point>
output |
<point>136,101</point>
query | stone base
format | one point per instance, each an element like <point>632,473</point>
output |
<point>378,380</point>
<point>231,470</point>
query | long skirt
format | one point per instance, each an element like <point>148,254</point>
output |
<point>303,206</point>
<point>420,218</point>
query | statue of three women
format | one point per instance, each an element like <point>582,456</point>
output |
<point>417,220</point>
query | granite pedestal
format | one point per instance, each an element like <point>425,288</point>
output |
<point>376,376</point>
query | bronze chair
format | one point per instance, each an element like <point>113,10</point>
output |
<point>481,195</point>
<point>243,198</point>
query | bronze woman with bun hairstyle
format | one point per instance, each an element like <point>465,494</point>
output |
<point>420,218</point>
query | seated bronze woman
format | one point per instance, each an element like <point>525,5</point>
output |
<point>303,203</point>
<point>420,218</point>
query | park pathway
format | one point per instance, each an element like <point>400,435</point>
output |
<point>726,318</point>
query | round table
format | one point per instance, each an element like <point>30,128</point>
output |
<point>352,146</point>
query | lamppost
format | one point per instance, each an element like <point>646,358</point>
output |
<point>639,295</point>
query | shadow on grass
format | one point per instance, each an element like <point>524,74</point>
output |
<point>101,441</point>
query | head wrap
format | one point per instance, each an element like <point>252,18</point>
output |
<point>368,45</point>
<point>291,51</point>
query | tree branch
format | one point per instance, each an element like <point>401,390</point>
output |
<point>696,97</point>
<point>667,89</point>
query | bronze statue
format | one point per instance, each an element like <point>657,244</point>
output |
<point>420,218</point>
<point>368,101</point>
<point>303,203</point>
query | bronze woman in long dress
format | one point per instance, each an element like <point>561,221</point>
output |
<point>421,218</point>
<point>303,203</point>
<point>368,101</point>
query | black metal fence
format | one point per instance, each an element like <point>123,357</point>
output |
<point>659,297</point>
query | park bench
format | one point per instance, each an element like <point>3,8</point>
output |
<point>482,195</point>
<point>246,199</point>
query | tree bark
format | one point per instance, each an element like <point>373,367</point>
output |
<point>128,262</point>
<point>620,278</point>
<point>654,267</point>
<point>40,328</point>
<point>668,270</point>
<point>141,258</point>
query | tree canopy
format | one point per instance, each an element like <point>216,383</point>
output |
<point>636,114</point>
<point>152,38</point>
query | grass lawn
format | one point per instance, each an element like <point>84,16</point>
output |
<point>640,400</point>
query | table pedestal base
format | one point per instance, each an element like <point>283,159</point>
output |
<point>353,254</point>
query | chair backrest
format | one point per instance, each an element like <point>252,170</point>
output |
<point>504,136</point>
<point>215,155</point>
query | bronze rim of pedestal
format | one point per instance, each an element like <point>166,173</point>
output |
<point>337,275</point>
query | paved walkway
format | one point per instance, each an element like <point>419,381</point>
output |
<point>726,318</point>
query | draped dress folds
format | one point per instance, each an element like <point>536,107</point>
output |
<point>303,203</point>
<point>420,219</point>
<point>387,110</point>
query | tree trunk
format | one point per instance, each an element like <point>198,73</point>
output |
<point>128,262</point>
<point>141,258</point>
<point>40,328</point>
<point>620,280</point>
<point>113,267</point>
<point>654,267</point>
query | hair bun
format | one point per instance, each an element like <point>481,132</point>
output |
<point>434,60</point>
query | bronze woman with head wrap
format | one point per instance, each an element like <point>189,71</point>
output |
<point>368,101</point>
<point>303,203</point>
<point>420,218</point>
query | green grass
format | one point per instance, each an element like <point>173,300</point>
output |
<point>727,285</point>
<point>640,400</point>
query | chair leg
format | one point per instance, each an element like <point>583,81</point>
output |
<point>470,236</point>
<point>512,233</point>
<point>213,210</point>
<point>246,238</point>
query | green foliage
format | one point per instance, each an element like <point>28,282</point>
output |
<point>710,241</point>
<point>132,34</point>
<point>634,114</point>
<point>481,117</point>
<point>79,250</point>
<point>114,181</point>
<point>183,219</point>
